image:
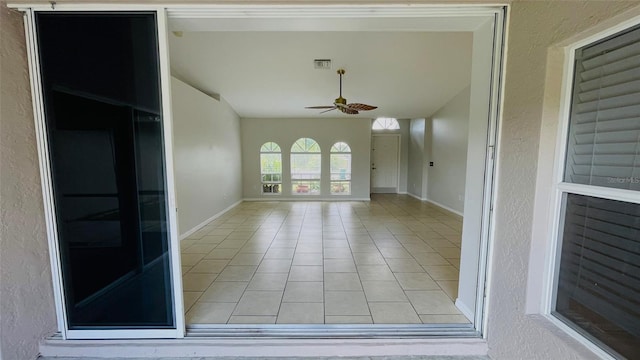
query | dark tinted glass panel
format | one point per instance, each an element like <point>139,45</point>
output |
<point>101,86</point>
<point>599,280</point>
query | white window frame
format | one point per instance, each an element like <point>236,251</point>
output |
<point>262,182</point>
<point>386,128</point>
<point>318,180</point>
<point>47,185</point>
<point>331,181</point>
<point>559,188</point>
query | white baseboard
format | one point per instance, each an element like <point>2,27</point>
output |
<point>202,224</point>
<point>278,198</point>
<point>416,197</point>
<point>445,207</point>
<point>436,204</point>
<point>464,309</point>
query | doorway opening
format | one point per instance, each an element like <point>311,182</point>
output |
<point>354,251</point>
<point>385,163</point>
<point>298,258</point>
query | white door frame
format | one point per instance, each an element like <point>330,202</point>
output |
<point>47,185</point>
<point>266,11</point>
<point>399,157</point>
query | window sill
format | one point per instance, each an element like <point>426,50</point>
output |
<point>554,324</point>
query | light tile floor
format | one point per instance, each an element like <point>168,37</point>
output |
<point>393,260</point>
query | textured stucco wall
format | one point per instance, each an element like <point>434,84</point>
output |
<point>26,299</point>
<point>534,27</point>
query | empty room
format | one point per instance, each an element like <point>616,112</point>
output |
<point>295,209</point>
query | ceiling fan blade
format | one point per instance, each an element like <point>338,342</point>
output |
<point>332,108</point>
<point>348,110</point>
<point>320,107</point>
<point>341,103</point>
<point>361,107</point>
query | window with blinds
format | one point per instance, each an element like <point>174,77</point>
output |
<point>603,147</point>
<point>598,277</point>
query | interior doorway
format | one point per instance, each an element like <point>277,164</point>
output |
<point>385,163</point>
<point>277,252</point>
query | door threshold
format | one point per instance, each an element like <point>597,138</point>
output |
<point>331,331</point>
<point>391,340</point>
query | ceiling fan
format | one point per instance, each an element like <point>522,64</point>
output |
<point>341,103</point>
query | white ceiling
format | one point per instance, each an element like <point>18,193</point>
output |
<point>270,74</point>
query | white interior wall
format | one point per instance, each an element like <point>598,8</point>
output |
<point>416,158</point>
<point>405,125</point>
<point>355,132</point>
<point>428,134</point>
<point>27,312</point>
<point>207,156</point>
<point>448,143</point>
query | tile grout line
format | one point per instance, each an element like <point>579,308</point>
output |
<point>286,283</point>
<point>392,213</point>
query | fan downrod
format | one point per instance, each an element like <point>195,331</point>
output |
<point>340,100</point>
<point>341,103</point>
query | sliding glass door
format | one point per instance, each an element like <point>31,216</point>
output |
<point>105,135</point>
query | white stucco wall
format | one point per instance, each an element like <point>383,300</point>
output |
<point>207,155</point>
<point>26,297</point>
<point>326,132</point>
<point>448,143</point>
<point>534,27</point>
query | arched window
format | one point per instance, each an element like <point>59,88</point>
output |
<point>306,170</point>
<point>385,124</point>
<point>271,168</point>
<point>340,169</point>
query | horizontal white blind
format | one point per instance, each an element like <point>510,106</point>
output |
<point>600,266</point>
<point>604,131</point>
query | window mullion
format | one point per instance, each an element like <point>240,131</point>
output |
<point>631,196</point>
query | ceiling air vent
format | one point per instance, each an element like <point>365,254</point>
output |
<point>322,63</point>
